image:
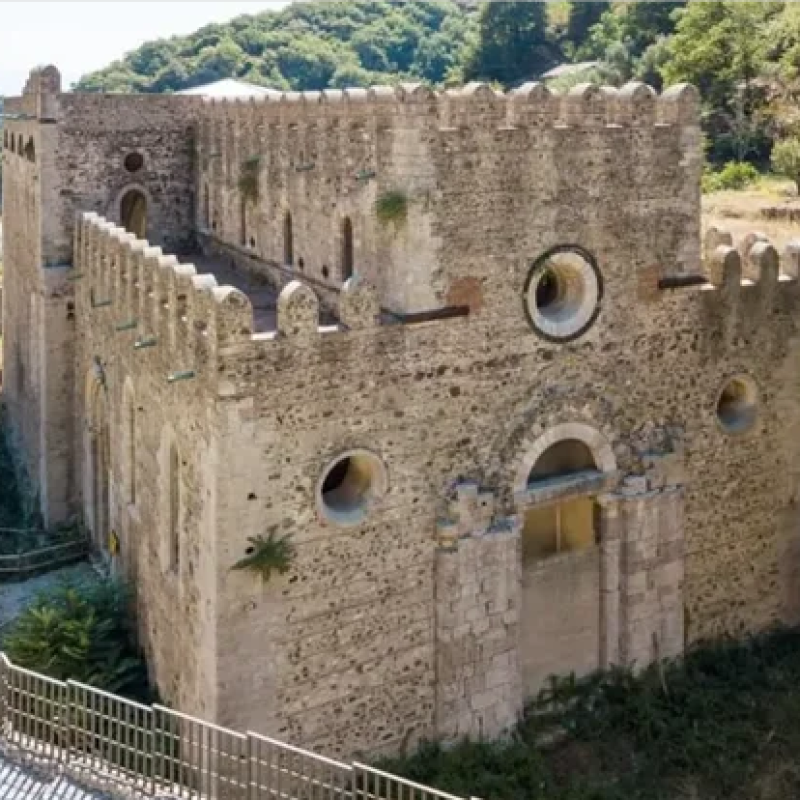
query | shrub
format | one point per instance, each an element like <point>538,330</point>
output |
<point>786,160</point>
<point>82,632</point>
<point>392,207</point>
<point>733,176</point>
<point>721,724</point>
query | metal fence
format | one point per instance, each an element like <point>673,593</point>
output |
<point>16,566</point>
<point>153,750</point>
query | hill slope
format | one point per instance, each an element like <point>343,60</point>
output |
<point>305,46</point>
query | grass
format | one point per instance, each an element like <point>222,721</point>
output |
<point>740,211</point>
<point>722,725</point>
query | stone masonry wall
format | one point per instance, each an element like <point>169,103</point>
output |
<point>643,573</point>
<point>75,146</point>
<point>23,286</point>
<point>96,133</point>
<point>128,292</point>
<point>477,619</point>
<point>345,651</point>
<point>542,163</point>
<point>463,398</point>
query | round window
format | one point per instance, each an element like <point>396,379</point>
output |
<point>133,162</point>
<point>349,485</point>
<point>737,405</point>
<point>563,294</point>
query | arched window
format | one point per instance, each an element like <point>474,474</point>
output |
<point>133,213</point>
<point>288,240</point>
<point>13,143</point>
<point>347,249</point>
<point>174,509</point>
<point>5,138</point>
<point>243,221</point>
<point>206,207</point>
<point>30,151</point>
<point>570,523</point>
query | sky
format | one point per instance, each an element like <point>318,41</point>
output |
<point>79,37</point>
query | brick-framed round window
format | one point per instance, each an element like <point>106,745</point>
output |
<point>562,294</point>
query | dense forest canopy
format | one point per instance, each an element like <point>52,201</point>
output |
<point>744,56</point>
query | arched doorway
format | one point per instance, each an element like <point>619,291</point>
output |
<point>560,594</point>
<point>133,213</point>
<point>347,249</point>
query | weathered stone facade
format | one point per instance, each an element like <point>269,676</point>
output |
<point>464,349</point>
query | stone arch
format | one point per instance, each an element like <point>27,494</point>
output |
<point>131,208</point>
<point>556,488</point>
<point>597,444</point>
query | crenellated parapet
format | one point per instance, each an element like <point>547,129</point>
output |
<point>476,106</point>
<point>151,297</point>
<point>167,304</point>
<point>752,263</point>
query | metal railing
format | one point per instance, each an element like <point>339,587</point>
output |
<point>58,554</point>
<point>152,750</point>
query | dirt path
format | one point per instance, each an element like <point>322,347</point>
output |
<point>740,212</point>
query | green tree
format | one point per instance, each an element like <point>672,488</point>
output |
<point>644,23</point>
<point>721,47</point>
<point>305,46</point>
<point>786,160</point>
<point>512,43</point>
<point>582,17</point>
<point>80,632</point>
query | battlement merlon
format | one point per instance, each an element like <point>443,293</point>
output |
<point>476,105</point>
<point>43,99</point>
<point>162,302</point>
<point>742,290</point>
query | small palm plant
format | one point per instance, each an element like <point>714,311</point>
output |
<point>267,554</point>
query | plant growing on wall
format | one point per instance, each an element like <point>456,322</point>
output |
<point>265,554</point>
<point>248,178</point>
<point>392,206</point>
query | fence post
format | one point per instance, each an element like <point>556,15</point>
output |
<point>157,744</point>
<point>5,665</point>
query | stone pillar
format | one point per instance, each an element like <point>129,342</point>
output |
<point>478,685</point>
<point>642,573</point>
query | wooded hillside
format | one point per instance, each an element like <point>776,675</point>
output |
<point>744,56</point>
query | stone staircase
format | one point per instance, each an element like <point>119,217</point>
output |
<point>19,783</point>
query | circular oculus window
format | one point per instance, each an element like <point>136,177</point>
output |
<point>348,486</point>
<point>133,162</point>
<point>563,293</point>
